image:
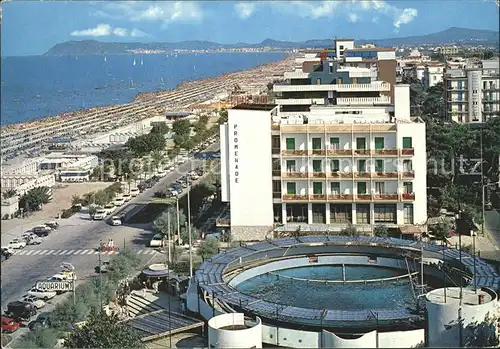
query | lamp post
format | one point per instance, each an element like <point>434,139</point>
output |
<point>457,217</point>
<point>100,274</point>
<point>189,230</point>
<point>168,237</point>
<point>178,219</point>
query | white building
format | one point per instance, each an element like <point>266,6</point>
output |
<point>433,74</point>
<point>361,164</point>
<point>472,95</point>
<point>58,161</point>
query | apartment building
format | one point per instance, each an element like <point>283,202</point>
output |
<point>363,164</point>
<point>334,76</point>
<point>472,94</point>
<point>433,74</point>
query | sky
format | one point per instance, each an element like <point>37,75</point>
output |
<point>33,27</point>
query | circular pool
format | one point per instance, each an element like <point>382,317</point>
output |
<point>333,287</point>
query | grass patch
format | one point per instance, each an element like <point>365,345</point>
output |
<point>166,201</point>
<point>149,213</point>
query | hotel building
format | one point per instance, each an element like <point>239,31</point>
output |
<point>472,94</point>
<point>362,163</point>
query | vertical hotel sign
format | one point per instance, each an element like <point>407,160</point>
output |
<point>235,149</point>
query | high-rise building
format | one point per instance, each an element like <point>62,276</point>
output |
<point>472,94</point>
<point>361,163</point>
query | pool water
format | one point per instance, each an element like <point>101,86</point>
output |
<point>318,295</point>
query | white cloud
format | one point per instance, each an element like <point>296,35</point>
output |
<point>244,9</point>
<point>136,11</point>
<point>405,17</point>
<point>398,15</point>
<point>352,17</point>
<point>106,30</point>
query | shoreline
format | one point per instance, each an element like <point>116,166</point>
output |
<point>139,97</point>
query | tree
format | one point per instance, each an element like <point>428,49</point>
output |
<point>350,230</point>
<point>77,200</point>
<point>161,222</point>
<point>9,193</point>
<point>441,231</point>
<point>381,231</point>
<point>173,152</point>
<point>208,248</point>
<point>181,127</point>
<point>103,331</point>
<point>35,198</point>
<point>160,128</point>
<point>157,156</point>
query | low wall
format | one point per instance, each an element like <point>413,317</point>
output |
<point>250,233</point>
<point>249,335</point>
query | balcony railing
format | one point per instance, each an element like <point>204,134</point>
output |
<point>340,174</point>
<point>363,174</point>
<point>333,87</point>
<point>362,151</point>
<point>320,152</point>
<point>277,195</point>
<point>295,197</point>
<point>299,101</point>
<point>384,197</point>
<point>294,174</point>
<point>314,197</point>
<point>318,174</point>
<point>408,151</point>
<point>364,197</point>
<point>275,127</point>
<point>385,174</point>
<point>294,152</point>
<point>340,197</point>
<point>276,172</point>
<point>408,196</point>
<point>363,100</point>
<point>408,174</point>
<point>275,150</point>
<point>339,152</point>
<point>385,152</point>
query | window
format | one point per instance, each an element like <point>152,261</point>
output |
<point>335,166</point>
<point>385,213</point>
<point>340,213</point>
<point>361,143</point>
<point>335,142</point>
<point>363,214</point>
<point>317,188</point>
<point>290,166</point>
<point>407,143</point>
<point>408,213</point>
<point>407,166</point>
<point>379,142</point>
<point>290,144</point>
<point>361,188</point>
<point>335,188</point>
<point>379,187</point>
<point>317,166</point>
<point>316,143</point>
<point>408,187</point>
<point>291,188</point>
<point>341,47</point>
<point>379,166</point>
<point>361,166</point>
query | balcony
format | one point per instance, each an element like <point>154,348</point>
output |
<point>408,197</point>
<point>275,127</point>
<point>276,173</point>
<point>299,101</point>
<point>408,174</point>
<point>317,152</point>
<point>341,88</point>
<point>364,100</point>
<point>362,152</point>
<point>407,152</point>
<point>295,197</point>
<point>294,152</point>
<point>385,175</point>
<point>363,174</point>
<point>385,197</point>
<point>339,152</point>
<point>339,174</point>
<point>277,195</point>
<point>340,197</point>
<point>317,174</point>
<point>363,197</point>
<point>296,75</point>
<point>317,197</point>
<point>293,174</point>
<point>385,152</point>
<point>275,151</point>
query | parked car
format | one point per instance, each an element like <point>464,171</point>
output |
<point>41,322</point>
<point>162,173</point>
<point>38,303</point>
<point>134,192</point>
<point>20,310</point>
<point>42,230</point>
<point>105,266</point>
<point>17,244</point>
<point>45,295</point>
<point>156,241</point>
<point>110,208</point>
<point>7,251</point>
<point>9,325</point>
<point>118,202</point>
<point>126,197</point>
<point>100,214</point>
<point>52,225</point>
<point>34,240</point>
<point>116,220</point>
<point>28,235</point>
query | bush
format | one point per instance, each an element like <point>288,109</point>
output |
<point>381,231</point>
<point>5,216</point>
<point>350,230</point>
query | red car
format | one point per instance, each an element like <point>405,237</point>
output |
<point>9,325</point>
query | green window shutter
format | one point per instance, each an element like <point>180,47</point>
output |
<point>290,144</point>
<point>316,143</point>
<point>361,165</point>
<point>379,142</point>
<point>317,188</point>
<point>290,165</point>
<point>335,165</point>
<point>408,187</point>
<point>335,187</point>
<point>335,142</point>
<point>316,165</point>
<point>290,188</point>
<point>361,188</point>
<point>407,143</point>
<point>361,143</point>
<point>379,165</point>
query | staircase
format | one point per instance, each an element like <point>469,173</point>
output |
<point>137,305</point>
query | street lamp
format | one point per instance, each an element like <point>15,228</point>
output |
<point>473,234</point>
<point>189,230</point>
<point>457,217</point>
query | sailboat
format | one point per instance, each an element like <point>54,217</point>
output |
<point>105,59</point>
<point>162,82</point>
<point>134,62</point>
<point>142,62</point>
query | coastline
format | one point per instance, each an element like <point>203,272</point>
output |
<point>140,97</point>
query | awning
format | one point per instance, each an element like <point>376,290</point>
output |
<point>155,273</point>
<point>410,230</point>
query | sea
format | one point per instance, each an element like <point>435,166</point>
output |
<point>39,86</point>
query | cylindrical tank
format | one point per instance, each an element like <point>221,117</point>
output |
<point>446,309</point>
<point>234,331</point>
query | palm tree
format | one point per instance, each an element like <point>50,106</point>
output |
<point>89,198</point>
<point>35,198</point>
<point>9,193</point>
<point>158,157</point>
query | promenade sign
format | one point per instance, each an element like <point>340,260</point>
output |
<point>54,285</point>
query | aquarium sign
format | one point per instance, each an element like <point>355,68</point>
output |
<point>313,259</point>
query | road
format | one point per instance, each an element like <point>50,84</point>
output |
<point>492,225</point>
<point>76,235</point>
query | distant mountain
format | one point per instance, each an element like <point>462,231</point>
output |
<point>454,35</point>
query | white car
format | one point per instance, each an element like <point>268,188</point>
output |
<point>118,202</point>
<point>17,244</point>
<point>161,173</point>
<point>126,197</point>
<point>35,240</point>
<point>28,236</point>
<point>115,220</point>
<point>45,295</point>
<point>157,240</point>
<point>110,208</point>
<point>38,303</point>
<point>134,192</point>
<point>100,214</point>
